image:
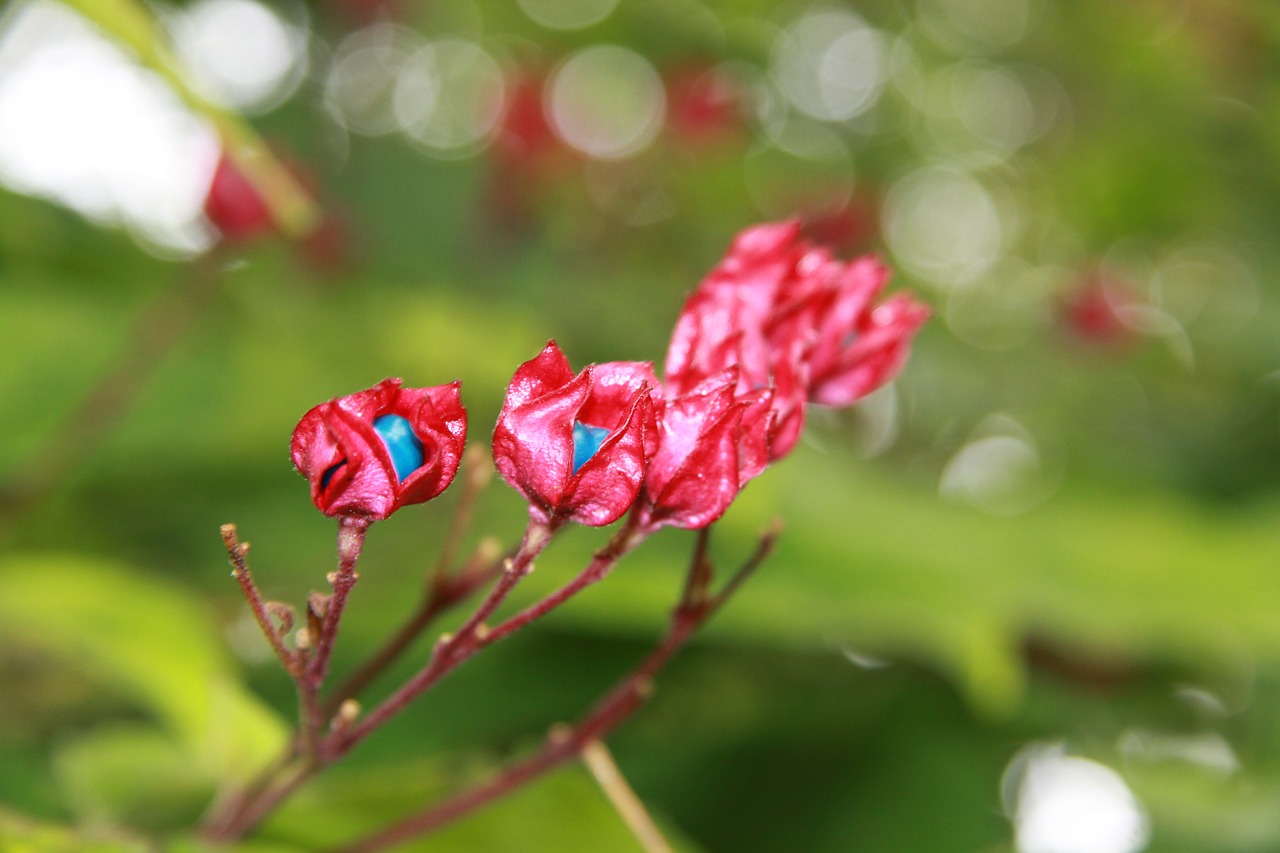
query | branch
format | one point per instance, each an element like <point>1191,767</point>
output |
<point>566,743</point>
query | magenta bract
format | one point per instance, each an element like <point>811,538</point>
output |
<point>793,319</point>
<point>713,441</point>
<point>576,446</point>
<point>350,458</point>
<point>234,206</point>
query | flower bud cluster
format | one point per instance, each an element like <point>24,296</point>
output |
<point>779,324</point>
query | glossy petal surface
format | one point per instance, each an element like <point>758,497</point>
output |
<point>369,453</point>
<point>576,446</point>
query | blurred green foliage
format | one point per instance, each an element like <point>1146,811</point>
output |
<point>1124,555</point>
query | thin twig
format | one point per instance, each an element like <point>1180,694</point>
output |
<point>597,758</point>
<point>237,552</point>
<point>351,532</point>
<point>443,594</point>
<point>451,650</point>
<point>764,547</point>
<point>566,743</point>
<point>622,543</point>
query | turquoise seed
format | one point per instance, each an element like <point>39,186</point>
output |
<point>402,444</point>
<point>586,441</point>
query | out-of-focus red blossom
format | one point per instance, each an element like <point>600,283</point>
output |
<point>523,131</point>
<point>852,226</point>
<point>241,215</point>
<point>713,440</point>
<point>526,157</point>
<point>795,320</point>
<point>1092,311</point>
<point>233,205</point>
<point>604,416</point>
<point>705,104</point>
<point>350,465</point>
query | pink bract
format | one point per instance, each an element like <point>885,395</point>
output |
<point>793,319</point>
<point>534,440</point>
<point>349,466</point>
<point>713,441</point>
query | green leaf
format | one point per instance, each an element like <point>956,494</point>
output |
<point>871,565</point>
<point>150,643</point>
<point>131,775</point>
<point>19,834</point>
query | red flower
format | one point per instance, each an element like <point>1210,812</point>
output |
<point>372,452</point>
<point>576,446</point>
<point>853,345</point>
<point>793,319</point>
<point>234,206</point>
<point>705,104</point>
<point>713,441</point>
<point>1094,310</point>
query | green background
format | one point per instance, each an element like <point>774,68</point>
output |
<point>1083,601</point>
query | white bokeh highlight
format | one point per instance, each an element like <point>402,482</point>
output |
<point>943,226</point>
<point>82,124</point>
<point>240,53</point>
<point>1066,804</point>
<point>360,88</point>
<point>607,102</point>
<point>829,65</point>
<point>450,96</point>
<point>568,14</point>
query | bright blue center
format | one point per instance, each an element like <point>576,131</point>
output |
<point>402,444</point>
<point>586,441</point>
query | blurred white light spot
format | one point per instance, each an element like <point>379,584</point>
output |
<point>82,124</point>
<point>361,86</point>
<point>943,226</point>
<point>863,660</point>
<point>998,470</point>
<point>1205,701</point>
<point>244,636</point>
<point>568,14</point>
<point>1049,99</point>
<point>450,96</point>
<point>1207,288</point>
<point>829,65</point>
<point>1208,750</point>
<point>1065,804</point>
<point>993,105</point>
<point>1150,320</point>
<point>240,53</point>
<point>975,26</point>
<point>607,102</point>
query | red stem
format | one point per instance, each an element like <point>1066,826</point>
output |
<point>351,533</point>
<point>444,593</point>
<point>236,551</point>
<point>443,589</point>
<point>450,651</point>
<point>611,711</point>
<point>600,566</point>
<point>695,607</point>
